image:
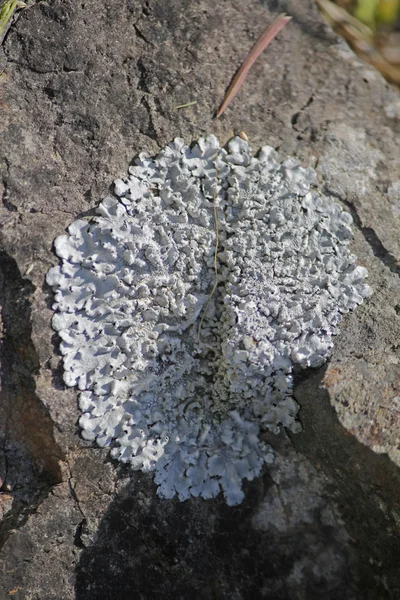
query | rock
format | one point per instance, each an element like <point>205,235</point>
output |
<point>87,87</point>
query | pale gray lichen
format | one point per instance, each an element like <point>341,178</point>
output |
<point>132,288</point>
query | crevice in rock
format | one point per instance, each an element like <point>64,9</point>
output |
<point>30,68</point>
<point>5,196</point>
<point>149,130</point>
<point>29,455</point>
<point>140,35</point>
<point>75,496</point>
<point>146,8</point>
<point>296,115</point>
<point>142,85</point>
<point>6,203</point>
<point>66,69</point>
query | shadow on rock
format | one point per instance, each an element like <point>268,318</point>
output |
<point>29,455</point>
<point>364,485</point>
<point>147,547</point>
<point>320,524</point>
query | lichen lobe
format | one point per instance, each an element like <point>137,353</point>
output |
<point>133,286</point>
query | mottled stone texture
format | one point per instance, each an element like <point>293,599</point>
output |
<point>87,86</point>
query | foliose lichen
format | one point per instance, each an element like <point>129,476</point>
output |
<point>190,402</point>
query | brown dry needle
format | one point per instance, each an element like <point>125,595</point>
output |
<point>264,40</point>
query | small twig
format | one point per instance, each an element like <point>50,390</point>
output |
<point>215,258</point>
<point>265,39</point>
<point>185,105</point>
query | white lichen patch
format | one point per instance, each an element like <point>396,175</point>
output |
<point>133,287</point>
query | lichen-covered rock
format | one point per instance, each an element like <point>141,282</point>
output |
<point>323,520</point>
<point>184,305</point>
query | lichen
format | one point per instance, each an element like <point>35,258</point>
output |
<point>135,282</point>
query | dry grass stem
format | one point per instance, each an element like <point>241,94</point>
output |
<point>185,105</point>
<point>215,263</point>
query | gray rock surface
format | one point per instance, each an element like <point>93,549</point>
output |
<point>87,87</point>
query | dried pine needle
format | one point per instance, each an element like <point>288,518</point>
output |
<point>265,39</point>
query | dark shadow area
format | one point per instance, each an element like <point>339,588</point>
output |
<point>365,485</point>
<point>149,548</point>
<point>29,455</point>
